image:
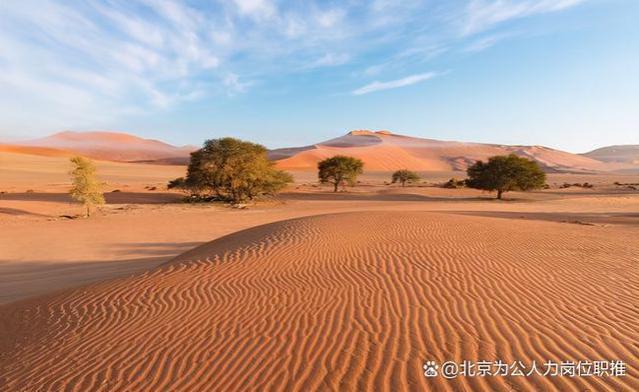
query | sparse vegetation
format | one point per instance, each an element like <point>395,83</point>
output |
<point>454,183</point>
<point>86,188</point>
<point>339,171</point>
<point>403,176</point>
<point>231,170</point>
<point>576,184</point>
<point>504,173</point>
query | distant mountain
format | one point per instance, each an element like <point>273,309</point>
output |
<point>112,146</point>
<point>621,154</point>
<point>384,151</point>
<point>380,151</point>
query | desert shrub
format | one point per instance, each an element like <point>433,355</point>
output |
<point>577,184</point>
<point>86,188</point>
<point>339,171</point>
<point>503,173</point>
<point>231,170</point>
<point>454,183</point>
<point>403,176</point>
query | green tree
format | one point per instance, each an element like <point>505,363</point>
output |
<point>86,188</point>
<point>231,170</point>
<point>403,176</point>
<point>503,173</point>
<point>339,170</point>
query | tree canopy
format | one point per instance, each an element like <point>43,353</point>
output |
<point>85,186</point>
<point>231,170</point>
<point>403,176</point>
<point>503,173</point>
<point>339,171</point>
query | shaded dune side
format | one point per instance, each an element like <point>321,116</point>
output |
<point>354,301</point>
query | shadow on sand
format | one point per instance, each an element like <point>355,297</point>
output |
<point>625,218</point>
<point>24,279</point>
<point>110,197</point>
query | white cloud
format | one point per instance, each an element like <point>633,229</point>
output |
<point>259,9</point>
<point>486,42</point>
<point>407,81</point>
<point>481,15</point>
<point>331,60</point>
<point>232,81</point>
<point>153,55</point>
<point>330,18</point>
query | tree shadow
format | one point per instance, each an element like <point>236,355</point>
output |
<point>19,212</point>
<point>110,197</point>
<point>344,196</point>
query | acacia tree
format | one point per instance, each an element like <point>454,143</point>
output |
<point>231,170</point>
<point>339,170</point>
<point>503,173</point>
<point>403,176</point>
<point>86,188</point>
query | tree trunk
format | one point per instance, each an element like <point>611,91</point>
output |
<point>499,192</point>
<point>403,184</point>
<point>88,210</point>
<point>336,186</point>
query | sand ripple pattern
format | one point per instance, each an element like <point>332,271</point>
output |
<point>354,301</point>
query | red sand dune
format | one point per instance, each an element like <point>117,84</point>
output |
<point>112,146</point>
<point>31,150</point>
<point>386,151</point>
<point>353,301</point>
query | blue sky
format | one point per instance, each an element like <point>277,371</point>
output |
<point>561,73</point>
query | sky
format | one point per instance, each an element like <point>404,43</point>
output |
<point>559,73</point>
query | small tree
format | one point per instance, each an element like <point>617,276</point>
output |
<point>232,170</point>
<point>403,176</point>
<point>503,173</point>
<point>339,170</point>
<point>86,188</point>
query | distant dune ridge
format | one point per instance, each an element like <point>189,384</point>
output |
<point>351,301</point>
<point>624,153</point>
<point>380,151</point>
<point>110,146</point>
<point>385,151</point>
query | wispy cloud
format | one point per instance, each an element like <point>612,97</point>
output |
<point>486,42</point>
<point>102,59</point>
<point>403,82</point>
<point>481,15</point>
<point>331,60</point>
<point>234,84</point>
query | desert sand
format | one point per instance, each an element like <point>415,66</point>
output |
<point>312,290</point>
<point>341,301</point>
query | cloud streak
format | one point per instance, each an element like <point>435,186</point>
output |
<point>103,59</point>
<point>481,15</point>
<point>393,84</point>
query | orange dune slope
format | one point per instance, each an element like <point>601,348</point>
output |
<point>385,151</point>
<point>111,146</point>
<point>354,301</point>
